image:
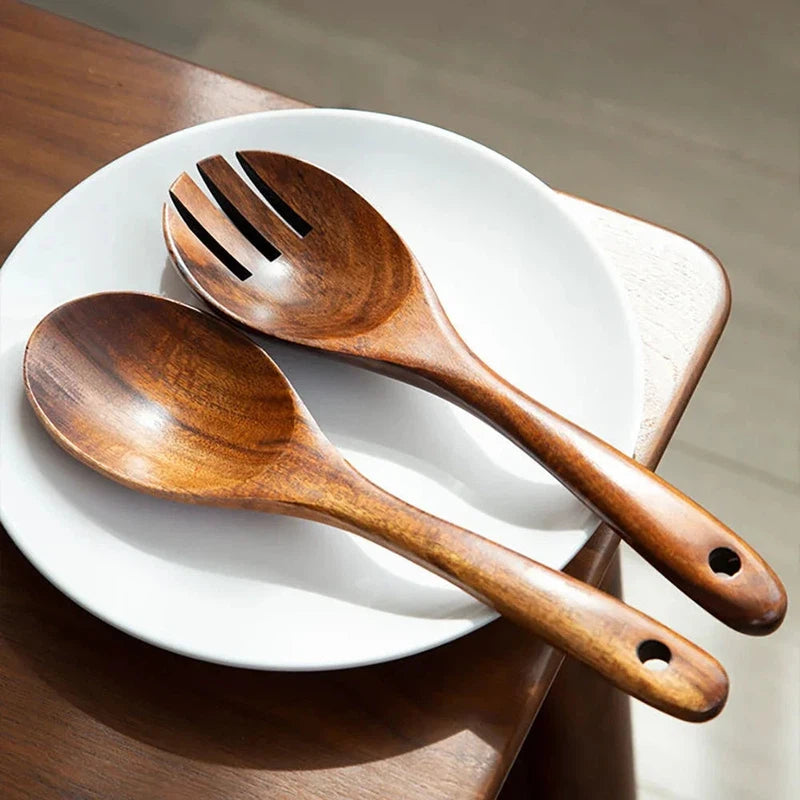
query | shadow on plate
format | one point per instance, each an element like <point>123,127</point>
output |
<point>243,544</point>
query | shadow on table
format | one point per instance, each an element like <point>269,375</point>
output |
<point>248,718</point>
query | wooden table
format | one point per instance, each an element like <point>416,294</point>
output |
<point>88,712</point>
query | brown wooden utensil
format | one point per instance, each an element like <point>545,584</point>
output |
<point>317,265</point>
<point>175,402</point>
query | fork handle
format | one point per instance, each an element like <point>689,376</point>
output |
<point>689,546</point>
<point>599,630</point>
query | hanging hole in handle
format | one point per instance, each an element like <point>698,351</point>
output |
<point>654,655</point>
<point>724,560</point>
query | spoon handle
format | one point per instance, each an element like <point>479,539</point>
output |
<point>619,642</point>
<point>689,546</point>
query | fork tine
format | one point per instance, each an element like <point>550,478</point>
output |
<point>287,184</point>
<point>204,222</point>
<point>197,265</point>
<point>208,277</point>
<point>254,219</point>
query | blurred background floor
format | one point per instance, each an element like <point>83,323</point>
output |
<point>683,113</point>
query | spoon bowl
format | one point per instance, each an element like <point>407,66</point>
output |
<point>153,396</point>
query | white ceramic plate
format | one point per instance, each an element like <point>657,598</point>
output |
<point>529,293</point>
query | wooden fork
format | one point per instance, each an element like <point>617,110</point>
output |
<point>317,265</point>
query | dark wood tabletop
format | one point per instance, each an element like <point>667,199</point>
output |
<point>89,712</point>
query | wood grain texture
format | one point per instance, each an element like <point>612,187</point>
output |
<point>183,406</point>
<point>354,289</point>
<point>90,712</point>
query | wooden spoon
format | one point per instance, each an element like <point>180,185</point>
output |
<point>172,401</point>
<point>319,266</point>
